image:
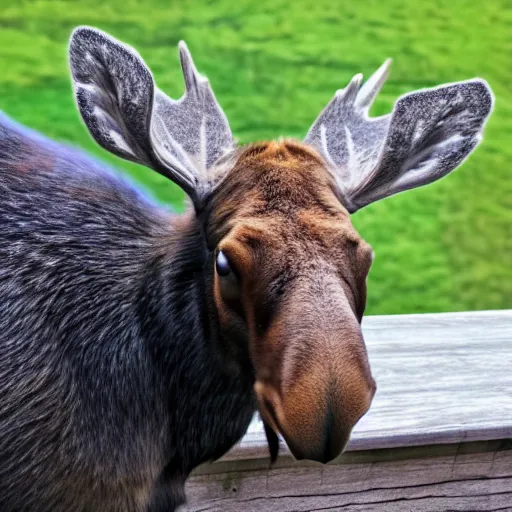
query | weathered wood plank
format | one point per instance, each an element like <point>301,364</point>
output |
<point>442,378</point>
<point>471,478</point>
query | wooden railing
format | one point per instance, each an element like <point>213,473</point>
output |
<point>437,437</point>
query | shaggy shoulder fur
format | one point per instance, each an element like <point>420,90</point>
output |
<point>112,390</point>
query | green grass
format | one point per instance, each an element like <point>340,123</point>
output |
<point>274,64</point>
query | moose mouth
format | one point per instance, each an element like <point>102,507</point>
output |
<point>322,438</point>
<point>272,428</point>
<point>273,439</point>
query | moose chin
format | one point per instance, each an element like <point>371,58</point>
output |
<point>136,344</point>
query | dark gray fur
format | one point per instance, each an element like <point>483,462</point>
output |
<point>111,387</point>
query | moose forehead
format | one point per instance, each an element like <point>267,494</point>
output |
<point>278,217</point>
<point>281,189</point>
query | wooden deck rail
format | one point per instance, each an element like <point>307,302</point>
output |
<point>437,438</point>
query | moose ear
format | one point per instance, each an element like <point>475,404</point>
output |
<point>429,133</point>
<point>128,115</point>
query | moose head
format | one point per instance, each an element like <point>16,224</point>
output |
<point>285,269</point>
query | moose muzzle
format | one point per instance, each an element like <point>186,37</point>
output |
<point>319,389</point>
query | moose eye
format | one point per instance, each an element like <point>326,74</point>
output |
<point>222,265</point>
<point>229,280</point>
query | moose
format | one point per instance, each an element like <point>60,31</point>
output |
<point>136,343</point>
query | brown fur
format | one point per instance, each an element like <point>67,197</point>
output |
<point>302,271</point>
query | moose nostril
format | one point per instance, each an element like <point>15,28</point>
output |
<point>328,434</point>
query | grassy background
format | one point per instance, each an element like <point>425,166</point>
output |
<point>274,64</point>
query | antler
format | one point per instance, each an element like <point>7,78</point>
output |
<point>349,140</point>
<point>429,133</point>
<point>128,115</point>
<point>192,130</point>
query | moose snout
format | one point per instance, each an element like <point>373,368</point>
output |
<point>316,417</point>
<point>330,445</point>
<point>313,381</point>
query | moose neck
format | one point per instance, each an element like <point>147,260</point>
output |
<point>209,393</point>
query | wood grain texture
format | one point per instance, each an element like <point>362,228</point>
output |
<point>437,437</point>
<point>467,478</point>
<point>441,378</point>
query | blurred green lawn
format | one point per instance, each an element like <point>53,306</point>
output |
<point>274,64</point>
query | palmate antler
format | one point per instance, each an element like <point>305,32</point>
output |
<point>128,115</point>
<point>428,134</point>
